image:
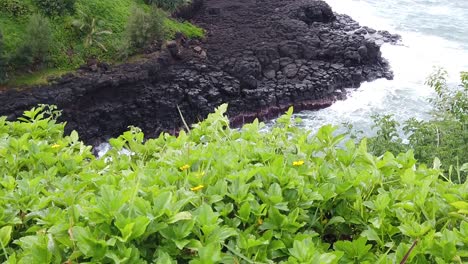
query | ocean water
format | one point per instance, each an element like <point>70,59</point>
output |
<point>434,34</point>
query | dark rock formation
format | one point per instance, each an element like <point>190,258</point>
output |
<point>259,56</point>
<point>310,11</point>
<point>189,10</point>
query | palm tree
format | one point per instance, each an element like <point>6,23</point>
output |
<point>91,27</point>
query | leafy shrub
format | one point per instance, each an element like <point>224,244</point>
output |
<point>388,137</point>
<point>55,7</point>
<point>444,137</point>
<point>451,102</point>
<point>14,7</point>
<point>145,28</point>
<point>218,195</point>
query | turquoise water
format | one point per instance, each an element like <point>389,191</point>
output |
<point>434,33</point>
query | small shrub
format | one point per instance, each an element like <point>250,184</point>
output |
<point>14,7</point>
<point>36,44</point>
<point>444,137</point>
<point>144,29</point>
<point>56,7</point>
<point>39,37</point>
<point>388,137</point>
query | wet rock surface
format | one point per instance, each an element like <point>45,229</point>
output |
<point>259,56</point>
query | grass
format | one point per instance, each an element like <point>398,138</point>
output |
<point>186,28</point>
<point>37,78</point>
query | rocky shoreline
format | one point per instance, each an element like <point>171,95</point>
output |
<point>259,56</point>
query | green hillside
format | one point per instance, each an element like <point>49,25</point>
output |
<point>45,36</point>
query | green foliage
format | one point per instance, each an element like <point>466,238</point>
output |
<point>39,37</point>
<point>56,7</point>
<point>14,7</point>
<point>72,47</point>
<point>388,136</point>
<point>91,29</point>
<point>445,137</point>
<point>145,28</point>
<point>3,62</point>
<point>450,101</point>
<point>186,28</point>
<point>220,195</point>
<point>36,45</point>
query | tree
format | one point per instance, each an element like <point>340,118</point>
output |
<point>39,37</point>
<point>35,48</point>
<point>91,27</point>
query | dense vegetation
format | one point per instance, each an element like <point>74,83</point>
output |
<point>3,62</point>
<point>54,36</point>
<point>444,137</point>
<point>221,195</point>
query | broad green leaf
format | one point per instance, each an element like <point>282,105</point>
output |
<point>5,235</point>
<point>164,258</point>
<point>372,235</point>
<point>462,205</point>
<point>327,258</point>
<point>415,230</point>
<point>303,250</point>
<point>74,136</point>
<point>244,211</point>
<point>88,244</point>
<point>221,234</point>
<point>275,220</point>
<point>206,216</point>
<point>37,247</point>
<point>357,250</point>
<point>179,217</point>
<point>131,228</point>
<point>275,193</point>
<point>161,203</point>
<point>210,253</point>
<point>336,220</point>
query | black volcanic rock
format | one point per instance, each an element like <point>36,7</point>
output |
<point>310,11</point>
<point>259,56</point>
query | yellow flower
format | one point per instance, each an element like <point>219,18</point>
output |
<point>197,188</point>
<point>259,221</point>
<point>298,163</point>
<point>185,167</point>
<point>55,146</point>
